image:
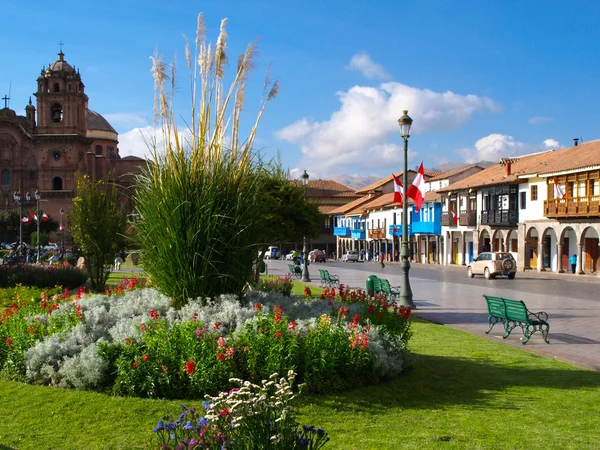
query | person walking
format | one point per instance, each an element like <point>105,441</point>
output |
<point>381,258</point>
<point>573,261</point>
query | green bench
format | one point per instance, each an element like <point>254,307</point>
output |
<point>514,313</point>
<point>383,286</point>
<point>293,272</point>
<point>328,280</point>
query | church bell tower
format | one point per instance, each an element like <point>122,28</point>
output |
<point>61,100</point>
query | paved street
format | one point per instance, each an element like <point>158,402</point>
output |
<point>444,294</point>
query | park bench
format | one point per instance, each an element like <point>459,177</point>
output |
<point>383,286</point>
<point>515,315</point>
<point>327,279</point>
<point>293,272</point>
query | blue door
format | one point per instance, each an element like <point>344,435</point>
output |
<point>470,249</point>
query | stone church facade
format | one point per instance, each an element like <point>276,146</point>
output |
<point>57,138</point>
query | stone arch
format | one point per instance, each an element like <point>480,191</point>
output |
<point>568,242</point>
<point>532,237</point>
<point>57,184</point>
<point>590,245</point>
<point>485,241</point>
<point>511,242</point>
<point>549,250</point>
<point>497,241</point>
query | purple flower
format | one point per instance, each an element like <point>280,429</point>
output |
<point>303,442</point>
<point>160,426</point>
<point>202,422</point>
<point>207,406</point>
<point>170,426</point>
<point>188,426</point>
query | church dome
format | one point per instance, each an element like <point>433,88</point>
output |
<point>96,122</point>
<point>60,64</point>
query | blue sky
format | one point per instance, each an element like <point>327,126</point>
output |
<point>481,79</point>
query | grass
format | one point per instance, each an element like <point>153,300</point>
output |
<point>463,392</point>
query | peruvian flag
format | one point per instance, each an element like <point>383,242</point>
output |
<point>25,219</point>
<point>454,217</point>
<point>33,216</point>
<point>60,227</point>
<point>558,191</point>
<point>416,190</point>
<point>398,190</point>
<point>45,217</point>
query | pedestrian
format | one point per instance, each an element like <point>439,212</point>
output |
<point>382,257</point>
<point>573,261</point>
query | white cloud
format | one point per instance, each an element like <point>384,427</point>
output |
<point>496,146</point>
<point>139,141</point>
<point>539,120</point>
<point>126,120</point>
<point>363,63</point>
<point>358,134</point>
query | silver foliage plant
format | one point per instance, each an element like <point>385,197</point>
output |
<point>71,359</point>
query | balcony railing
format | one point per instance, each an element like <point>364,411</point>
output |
<point>377,233</point>
<point>425,228</point>
<point>447,219</point>
<point>468,218</point>
<point>395,229</point>
<point>358,234</point>
<point>504,217</point>
<point>572,207</point>
<point>341,231</point>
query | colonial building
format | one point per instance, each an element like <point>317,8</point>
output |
<point>57,137</point>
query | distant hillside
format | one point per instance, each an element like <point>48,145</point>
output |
<point>357,182</point>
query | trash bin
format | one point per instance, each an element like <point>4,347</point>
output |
<point>262,267</point>
<point>371,284</point>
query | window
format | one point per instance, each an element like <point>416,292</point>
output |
<point>534,193</point>
<point>56,113</point>
<point>327,222</point>
<point>56,87</point>
<point>98,149</point>
<point>5,177</point>
<point>595,187</point>
<point>582,189</point>
<point>523,200</point>
<point>32,177</point>
<point>57,184</point>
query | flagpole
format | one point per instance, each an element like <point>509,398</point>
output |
<point>37,199</point>
<point>406,295</point>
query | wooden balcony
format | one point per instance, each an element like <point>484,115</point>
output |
<point>447,220</point>
<point>502,217</point>
<point>377,233</point>
<point>468,218</point>
<point>572,207</point>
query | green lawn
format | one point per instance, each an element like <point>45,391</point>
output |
<point>464,392</point>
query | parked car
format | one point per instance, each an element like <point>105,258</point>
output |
<point>272,252</point>
<point>350,255</point>
<point>491,264</point>
<point>317,256</point>
<point>51,246</point>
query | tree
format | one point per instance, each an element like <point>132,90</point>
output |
<point>98,225</point>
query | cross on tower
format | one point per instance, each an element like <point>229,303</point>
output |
<point>6,99</point>
<point>61,45</point>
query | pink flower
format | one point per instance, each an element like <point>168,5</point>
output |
<point>229,353</point>
<point>221,342</point>
<point>292,325</point>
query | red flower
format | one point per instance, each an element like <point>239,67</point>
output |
<point>307,291</point>
<point>190,367</point>
<point>31,330</point>
<point>218,325</point>
<point>146,358</point>
<point>380,316</point>
<point>371,309</point>
<point>292,325</point>
<point>278,335</point>
<point>44,304</point>
<point>257,307</point>
<point>128,341</point>
<point>154,315</point>
<point>195,317</point>
<point>221,356</point>
<point>9,342</point>
<point>142,327</point>
<point>164,369</point>
<point>135,364</point>
<point>224,412</point>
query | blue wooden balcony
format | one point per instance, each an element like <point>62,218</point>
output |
<point>359,234</point>
<point>427,228</point>
<point>341,231</point>
<point>396,229</point>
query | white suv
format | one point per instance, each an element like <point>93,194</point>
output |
<point>350,255</point>
<point>490,264</point>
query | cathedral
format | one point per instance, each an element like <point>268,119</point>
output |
<point>57,137</point>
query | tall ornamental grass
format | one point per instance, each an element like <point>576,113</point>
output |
<point>197,197</point>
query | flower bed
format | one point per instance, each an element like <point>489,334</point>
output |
<point>42,276</point>
<point>136,344</point>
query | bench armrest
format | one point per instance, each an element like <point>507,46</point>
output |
<point>538,317</point>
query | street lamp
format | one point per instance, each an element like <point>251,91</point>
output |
<point>62,233</point>
<point>406,296</point>
<point>37,200</point>
<point>17,197</point>
<point>305,275</point>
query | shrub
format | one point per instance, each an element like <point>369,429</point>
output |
<point>248,416</point>
<point>283,285</point>
<point>201,241</point>
<point>42,276</point>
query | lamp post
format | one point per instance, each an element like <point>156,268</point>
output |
<point>406,295</point>
<point>37,200</point>
<point>62,233</point>
<point>17,197</point>
<point>305,275</point>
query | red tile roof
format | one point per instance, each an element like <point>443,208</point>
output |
<point>327,188</point>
